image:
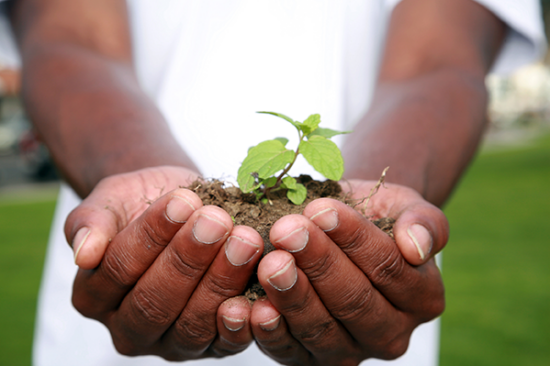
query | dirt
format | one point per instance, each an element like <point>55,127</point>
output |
<point>246,210</point>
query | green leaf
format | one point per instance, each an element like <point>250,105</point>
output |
<point>324,156</point>
<point>296,124</point>
<point>311,124</point>
<point>265,159</point>
<point>327,132</point>
<point>289,182</point>
<point>298,195</point>
<point>283,140</point>
<point>269,182</point>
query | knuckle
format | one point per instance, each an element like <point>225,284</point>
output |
<point>318,270</point>
<point>434,308</point>
<point>225,348</point>
<point>185,266</point>
<point>355,306</point>
<point>125,348</point>
<point>116,271</point>
<point>299,306</point>
<point>316,337</point>
<point>283,351</point>
<point>394,349</point>
<point>153,234</point>
<point>277,346</point>
<point>193,336</point>
<point>83,307</point>
<point>390,268</point>
<point>149,307</point>
<point>222,286</point>
<point>430,297</point>
<point>353,240</point>
<point>86,307</point>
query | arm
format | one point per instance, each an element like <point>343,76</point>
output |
<point>82,94</point>
<point>345,290</point>
<point>141,264</point>
<point>429,108</point>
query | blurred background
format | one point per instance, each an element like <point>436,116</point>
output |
<point>495,266</point>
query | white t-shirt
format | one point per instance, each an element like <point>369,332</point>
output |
<point>209,65</point>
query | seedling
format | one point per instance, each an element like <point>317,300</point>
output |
<point>258,171</point>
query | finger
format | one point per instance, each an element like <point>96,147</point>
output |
<point>273,337</point>
<point>344,288</point>
<point>379,257</point>
<point>227,277</point>
<point>163,290</point>
<point>233,324</point>
<point>95,222</point>
<point>421,230</point>
<point>131,252</point>
<point>92,225</point>
<point>309,322</point>
<point>423,227</point>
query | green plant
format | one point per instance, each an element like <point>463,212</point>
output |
<point>258,170</point>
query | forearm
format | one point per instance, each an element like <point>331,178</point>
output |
<point>426,129</point>
<point>94,118</point>
<point>429,107</point>
<point>82,94</point>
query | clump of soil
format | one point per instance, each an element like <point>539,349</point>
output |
<point>246,210</point>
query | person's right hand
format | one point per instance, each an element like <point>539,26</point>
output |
<point>154,273</point>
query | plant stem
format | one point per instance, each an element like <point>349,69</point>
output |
<point>286,170</point>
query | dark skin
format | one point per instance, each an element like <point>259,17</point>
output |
<point>354,294</point>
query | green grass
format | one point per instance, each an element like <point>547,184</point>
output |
<point>24,231</point>
<point>495,266</point>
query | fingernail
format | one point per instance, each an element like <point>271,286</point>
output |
<point>327,219</point>
<point>208,230</point>
<point>421,239</point>
<point>232,324</point>
<point>271,325</point>
<point>79,240</point>
<point>295,241</point>
<point>284,279</point>
<point>179,209</point>
<point>240,251</point>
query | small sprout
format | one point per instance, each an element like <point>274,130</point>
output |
<point>267,164</point>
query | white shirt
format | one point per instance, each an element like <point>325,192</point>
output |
<point>209,65</point>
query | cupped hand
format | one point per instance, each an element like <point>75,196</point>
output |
<point>340,290</point>
<point>163,274</point>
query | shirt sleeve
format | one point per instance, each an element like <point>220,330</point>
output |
<point>9,56</point>
<point>525,41</point>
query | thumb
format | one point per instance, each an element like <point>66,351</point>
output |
<point>89,229</point>
<point>421,231</point>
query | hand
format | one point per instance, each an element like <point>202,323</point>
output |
<point>346,291</point>
<point>154,273</point>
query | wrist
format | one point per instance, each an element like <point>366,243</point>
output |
<point>426,129</point>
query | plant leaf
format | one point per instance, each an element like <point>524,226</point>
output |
<point>289,182</point>
<point>283,140</point>
<point>265,159</point>
<point>311,123</point>
<point>298,195</point>
<point>296,124</point>
<point>327,132</point>
<point>269,182</point>
<point>324,156</point>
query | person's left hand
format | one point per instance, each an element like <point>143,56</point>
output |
<point>340,290</point>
